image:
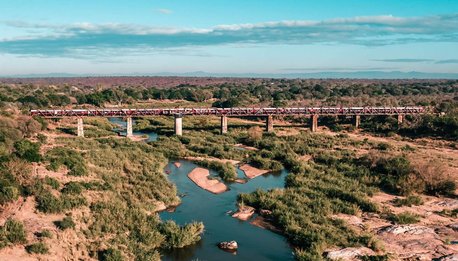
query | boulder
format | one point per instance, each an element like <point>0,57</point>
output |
<point>231,245</point>
<point>349,253</point>
<point>406,229</point>
<point>454,226</point>
<point>451,257</point>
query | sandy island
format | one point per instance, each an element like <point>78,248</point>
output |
<point>200,177</point>
<point>177,164</point>
<point>252,172</point>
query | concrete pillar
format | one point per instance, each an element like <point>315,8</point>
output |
<point>80,128</point>
<point>400,119</point>
<point>223,124</point>
<point>129,132</point>
<point>357,121</point>
<point>269,124</point>
<point>178,125</point>
<point>314,122</point>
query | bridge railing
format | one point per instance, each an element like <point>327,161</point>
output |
<point>230,111</point>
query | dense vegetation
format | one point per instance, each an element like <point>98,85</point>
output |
<point>117,179</point>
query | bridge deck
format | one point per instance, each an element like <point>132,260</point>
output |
<point>229,111</point>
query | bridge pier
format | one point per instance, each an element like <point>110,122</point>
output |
<point>400,119</point>
<point>357,121</point>
<point>178,124</point>
<point>80,128</point>
<point>269,124</point>
<point>129,132</point>
<point>223,124</point>
<point>314,123</point>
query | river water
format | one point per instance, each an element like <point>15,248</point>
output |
<point>197,204</point>
<point>200,205</point>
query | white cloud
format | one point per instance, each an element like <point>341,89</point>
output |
<point>164,11</point>
<point>43,39</point>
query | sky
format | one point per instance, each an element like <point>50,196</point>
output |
<point>108,37</point>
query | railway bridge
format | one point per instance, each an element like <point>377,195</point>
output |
<point>178,113</point>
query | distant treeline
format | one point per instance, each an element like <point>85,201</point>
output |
<point>272,93</point>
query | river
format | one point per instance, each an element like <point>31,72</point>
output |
<point>197,204</point>
<point>200,205</point>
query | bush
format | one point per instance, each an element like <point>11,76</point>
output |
<point>12,232</point>
<point>8,194</point>
<point>28,150</point>
<point>408,201</point>
<point>226,170</point>
<point>404,218</point>
<point>68,157</point>
<point>37,248</point>
<point>72,188</point>
<point>179,237</point>
<point>65,223</point>
<point>54,183</point>
<point>44,233</point>
<point>110,255</point>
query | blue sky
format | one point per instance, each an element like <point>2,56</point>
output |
<point>147,37</point>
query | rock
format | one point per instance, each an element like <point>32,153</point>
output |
<point>451,257</point>
<point>231,245</point>
<point>265,212</point>
<point>349,253</point>
<point>244,213</point>
<point>406,229</point>
<point>453,226</point>
<point>177,164</point>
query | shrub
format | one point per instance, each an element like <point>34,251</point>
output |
<point>28,150</point>
<point>42,138</point>
<point>54,183</point>
<point>8,194</point>
<point>72,188</point>
<point>65,223</point>
<point>226,170</point>
<point>408,201</point>
<point>44,233</point>
<point>37,248</point>
<point>68,157</point>
<point>404,218</point>
<point>179,237</point>
<point>48,203</point>
<point>110,254</point>
<point>12,232</point>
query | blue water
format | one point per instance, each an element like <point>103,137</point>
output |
<point>200,205</point>
<point>123,125</point>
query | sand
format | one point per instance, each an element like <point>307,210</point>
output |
<point>200,177</point>
<point>252,172</point>
<point>177,164</point>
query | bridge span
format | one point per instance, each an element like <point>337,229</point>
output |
<point>224,113</point>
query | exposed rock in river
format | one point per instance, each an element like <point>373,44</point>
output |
<point>244,213</point>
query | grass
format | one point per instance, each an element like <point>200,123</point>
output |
<point>404,218</point>
<point>11,233</point>
<point>37,248</point>
<point>65,223</point>
<point>409,201</point>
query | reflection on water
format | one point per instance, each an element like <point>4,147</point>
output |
<point>123,125</point>
<point>200,205</point>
